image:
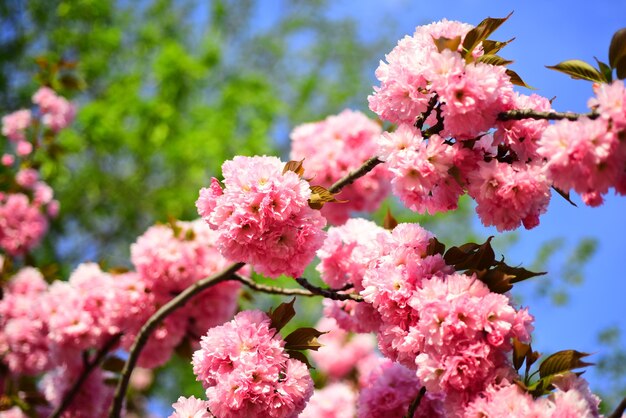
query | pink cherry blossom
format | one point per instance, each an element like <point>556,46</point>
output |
<point>22,225</point>
<point>336,400</point>
<point>246,372</point>
<point>392,392</point>
<point>14,124</point>
<point>340,351</point>
<point>190,408</point>
<point>262,216</point>
<point>333,147</point>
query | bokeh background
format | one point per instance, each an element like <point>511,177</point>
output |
<point>167,90</point>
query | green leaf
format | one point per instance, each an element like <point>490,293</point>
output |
<point>303,339</point>
<point>578,69</point>
<point>617,48</point>
<point>605,70</point>
<point>516,79</point>
<point>282,314</point>
<point>113,364</point>
<point>447,43</point>
<point>300,356</point>
<point>493,60</point>
<point>471,256</point>
<point>492,47</point>
<point>481,33</point>
<point>562,361</point>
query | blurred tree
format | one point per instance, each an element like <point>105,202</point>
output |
<point>171,90</point>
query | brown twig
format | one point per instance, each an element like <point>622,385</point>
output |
<point>415,403</point>
<point>355,174</point>
<point>88,368</point>
<point>519,114</point>
<point>153,322</point>
<point>421,119</point>
<point>327,293</point>
<point>274,290</point>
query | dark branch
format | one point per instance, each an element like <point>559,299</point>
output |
<point>421,119</point>
<point>520,114</point>
<point>272,289</point>
<point>153,322</point>
<point>437,127</point>
<point>415,403</point>
<point>327,293</point>
<point>355,174</point>
<point>619,411</point>
<point>87,369</point>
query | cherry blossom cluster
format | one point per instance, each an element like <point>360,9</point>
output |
<point>589,155</point>
<point>51,110</point>
<point>507,166</point>
<point>168,259</point>
<point>262,216</point>
<point>572,398</point>
<point>331,149</point>
<point>46,327</point>
<point>448,327</point>
<point>26,201</point>
<point>344,258</point>
<point>246,372</point>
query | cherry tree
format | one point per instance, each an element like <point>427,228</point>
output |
<point>412,327</point>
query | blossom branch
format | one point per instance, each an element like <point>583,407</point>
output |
<point>415,403</point>
<point>619,411</point>
<point>355,174</point>
<point>327,293</point>
<point>153,322</point>
<point>274,290</point>
<point>87,369</point>
<point>519,114</point>
<point>421,119</point>
<point>437,127</point>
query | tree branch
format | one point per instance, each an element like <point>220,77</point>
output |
<point>619,411</point>
<point>153,322</point>
<point>519,114</point>
<point>272,289</point>
<point>327,293</point>
<point>421,119</point>
<point>415,403</point>
<point>355,174</point>
<point>88,368</point>
<point>437,127</point>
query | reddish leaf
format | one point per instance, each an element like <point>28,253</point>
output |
<point>389,222</point>
<point>295,166</point>
<point>282,314</point>
<point>303,339</point>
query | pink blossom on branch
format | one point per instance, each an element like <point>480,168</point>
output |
<point>333,147</point>
<point>262,216</point>
<point>246,372</point>
<point>22,224</point>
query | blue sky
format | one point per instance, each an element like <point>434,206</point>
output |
<point>546,32</point>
